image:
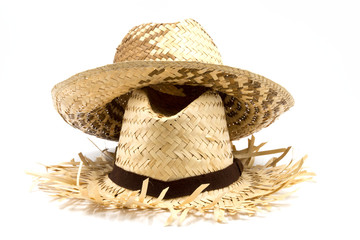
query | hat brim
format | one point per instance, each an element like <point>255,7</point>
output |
<point>256,189</point>
<point>94,100</point>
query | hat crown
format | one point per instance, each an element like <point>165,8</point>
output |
<point>192,142</point>
<point>181,41</point>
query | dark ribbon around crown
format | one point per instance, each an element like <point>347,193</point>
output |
<point>181,187</point>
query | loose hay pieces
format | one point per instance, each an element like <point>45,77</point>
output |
<point>256,190</point>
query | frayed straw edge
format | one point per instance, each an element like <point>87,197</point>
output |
<point>53,183</point>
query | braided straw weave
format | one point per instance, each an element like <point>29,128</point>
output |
<point>192,142</point>
<point>175,110</point>
<point>256,190</point>
<point>163,55</point>
<point>181,41</point>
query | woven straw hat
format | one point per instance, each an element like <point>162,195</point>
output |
<point>174,110</point>
<point>160,55</point>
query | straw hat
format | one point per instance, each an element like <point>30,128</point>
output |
<point>174,108</point>
<point>158,55</point>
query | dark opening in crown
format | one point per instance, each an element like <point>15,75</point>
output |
<point>167,104</point>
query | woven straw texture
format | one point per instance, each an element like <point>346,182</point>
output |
<point>175,110</point>
<point>181,41</point>
<point>256,190</point>
<point>192,142</point>
<point>163,55</point>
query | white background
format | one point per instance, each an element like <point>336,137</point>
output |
<point>309,47</point>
